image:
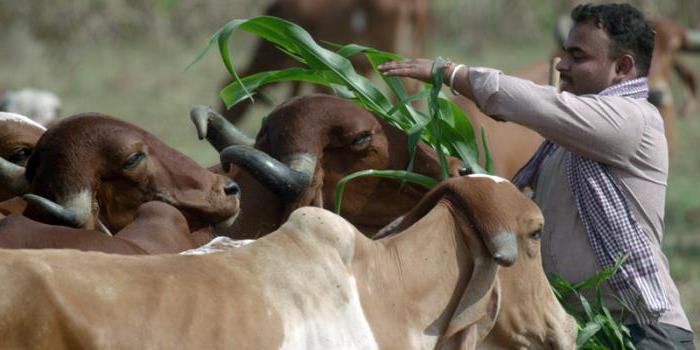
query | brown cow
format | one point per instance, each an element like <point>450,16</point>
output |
<point>322,139</point>
<point>94,166</point>
<point>391,25</point>
<point>670,39</point>
<point>157,228</point>
<point>315,283</point>
<point>18,136</point>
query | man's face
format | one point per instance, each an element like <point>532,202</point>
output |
<point>586,66</point>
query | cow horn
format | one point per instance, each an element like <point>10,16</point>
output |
<point>286,180</point>
<point>12,176</point>
<point>692,40</point>
<point>66,216</point>
<point>217,130</point>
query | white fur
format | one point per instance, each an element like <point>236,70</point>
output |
<point>328,323</point>
<point>81,202</point>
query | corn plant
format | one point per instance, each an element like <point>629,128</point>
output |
<point>444,127</point>
<point>597,328</point>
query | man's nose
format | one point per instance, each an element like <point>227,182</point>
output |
<point>563,65</point>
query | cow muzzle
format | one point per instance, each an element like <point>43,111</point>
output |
<point>503,247</point>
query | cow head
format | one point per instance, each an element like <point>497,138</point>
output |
<point>95,166</point>
<point>320,139</point>
<point>18,136</point>
<point>529,316</point>
<point>510,306</point>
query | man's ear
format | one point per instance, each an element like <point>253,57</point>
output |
<point>626,66</point>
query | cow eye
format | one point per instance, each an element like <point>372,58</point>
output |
<point>537,235</point>
<point>133,160</point>
<point>20,155</point>
<point>362,140</point>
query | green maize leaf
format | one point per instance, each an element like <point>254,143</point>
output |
<point>236,91</point>
<point>419,179</point>
<point>586,308</point>
<point>414,135</point>
<point>609,335</point>
<point>343,92</point>
<point>461,135</point>
<point>562,287</point>
<point>298,42</point>
<point>614,326</point>
<point>337,69</point>
<point>376,58</point>
<point>437,73</point>
<point>401,104</point>
<point>354,49</point>
<point>488,164</point>
<point>597,279</point>
<point>587,333</point>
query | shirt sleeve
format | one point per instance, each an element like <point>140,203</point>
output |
<point>607,129</point>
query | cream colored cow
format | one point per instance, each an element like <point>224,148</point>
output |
<point>315,283</point>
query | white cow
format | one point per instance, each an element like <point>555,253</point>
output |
<point>315,283</point>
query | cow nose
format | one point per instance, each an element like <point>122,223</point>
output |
<point>231,188</point>
<point>465,170</point>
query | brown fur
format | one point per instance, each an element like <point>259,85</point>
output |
<point>392,25</point>
<point>15,136</point>
<point>326,127</point>
<point>157,228</point>
<point>668,43</point>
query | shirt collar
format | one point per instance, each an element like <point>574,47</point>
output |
<point>635,88</point>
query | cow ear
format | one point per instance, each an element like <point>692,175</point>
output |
<point>476,312</point>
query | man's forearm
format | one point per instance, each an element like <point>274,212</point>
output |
<point>460,81</point>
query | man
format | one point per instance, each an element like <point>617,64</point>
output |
<point>600,179</point>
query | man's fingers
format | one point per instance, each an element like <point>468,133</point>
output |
<point>404,72</point>
<point>390,66</point>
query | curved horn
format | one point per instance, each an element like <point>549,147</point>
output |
<point>287,181</point>
<point>218,131</point>
<point>66,216</point>
<point>12,177</point>
<point>692,41</point>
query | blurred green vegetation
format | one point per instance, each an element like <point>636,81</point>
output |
<point>127,58</point>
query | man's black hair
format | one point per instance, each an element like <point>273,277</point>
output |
<point>626,27</point>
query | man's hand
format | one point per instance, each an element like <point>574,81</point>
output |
<point>416,68</point>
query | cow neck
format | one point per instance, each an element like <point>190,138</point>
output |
<point>426,266</point>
